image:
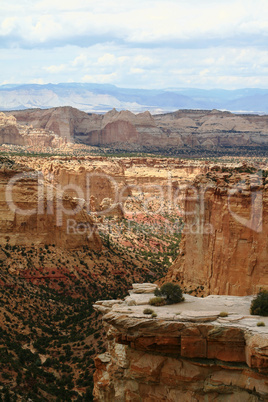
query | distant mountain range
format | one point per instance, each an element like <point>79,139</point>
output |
<point>98,98</point>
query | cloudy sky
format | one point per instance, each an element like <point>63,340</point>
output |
<point>135,43</point>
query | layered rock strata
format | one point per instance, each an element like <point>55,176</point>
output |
<point>91,179</point>
<point>224,248</point>
<point>188,352</point>
<point>117,178</point>
<point>33,212</point>
<point>185,128</point>
<point>13,133</point>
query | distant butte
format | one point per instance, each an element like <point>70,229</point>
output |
<point>145,132</point>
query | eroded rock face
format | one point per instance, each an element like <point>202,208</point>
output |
<point>171,358</point>
<point>92,179</point>
<point>59,120</point>
<point>225,242</point>
<point>121,180</point>
<point>13,133</point>
<point>9,133</point>
<point>34,212</point>
<point>208,129</point>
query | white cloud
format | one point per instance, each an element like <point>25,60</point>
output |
<point>55,69</point>
<point>81,60</point>
<point>8,25</point>
<point>39,81</point>
<point>136,70</point>
<point>204,72</point>
<point>46,28</point>
<point>135,22</point>
<point>143,61</point>
<point>168,68</point>
<point>100,78</point>
<point>107,59</point>
<point>70,5</point>
<point>147,43</point>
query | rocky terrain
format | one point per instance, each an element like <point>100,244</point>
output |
<point>49,279</point>
<point>225,241</point>
<point>114,177</point>
<point>187,351</point>
<point>130,200</point>
<point>49,331</point>
<point>177,132</point>
<point>13,133</point>
<point>146,204</point>
<point>33,211</point>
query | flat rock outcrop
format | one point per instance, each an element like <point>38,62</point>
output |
<point>187,352</point>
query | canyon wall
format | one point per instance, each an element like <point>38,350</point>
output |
<point>16,134</point>
<point>186,128</point>
<point>224,248</point>
<point>35,212</point>
<point>186,353</point>
<point>91,179</point>
<point>116,178</point>
<point>9,133</point>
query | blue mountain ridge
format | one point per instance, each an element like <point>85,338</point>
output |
<point>103,97</point>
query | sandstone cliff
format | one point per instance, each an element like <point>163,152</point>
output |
<point>117,178</point>
<point>9,133</point>
<point>13,133</point>
<point>225,242</point>
<point>185,128</point>
<point>89,178</point>
<point>35,212</point>
<point>188,352</point>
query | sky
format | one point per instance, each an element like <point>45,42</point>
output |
<point>135,43</point>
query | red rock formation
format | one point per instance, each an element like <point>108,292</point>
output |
<point>208,129</point>
<point>9,133</point>
<point>179,355</point>
<point>34,212</point>
<point>12,133</point>
<point>84,177</point>
<point>59,120</point>
<point>224,248</point>
<point>116,178</point>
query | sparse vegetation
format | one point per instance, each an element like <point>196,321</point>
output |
<point>47,307</point>
<point>260,324</point>
<point>223,314</point>
<point>259,305</point>
<point>157,301</point>
<point>51,309</point>
<point>148,311</point>
<point>171,292</point>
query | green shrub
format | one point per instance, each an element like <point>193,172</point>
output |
<point>260,324</point>
<point>259,305</point>
<point>223,314</point>
<point>148,311</point>
<point>154,315</point>
<point>171,292</point>
<point>157,301</point>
